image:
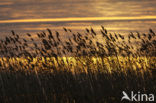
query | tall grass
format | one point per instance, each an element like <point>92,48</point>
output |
<point>89,67</point>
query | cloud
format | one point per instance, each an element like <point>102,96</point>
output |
<point>30,9</point>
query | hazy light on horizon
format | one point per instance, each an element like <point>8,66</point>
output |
<point>78,19</point>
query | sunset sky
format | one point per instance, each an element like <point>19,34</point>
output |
<point>35,15</point>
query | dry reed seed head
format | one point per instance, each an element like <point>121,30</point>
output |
<point>143,41</point>
<point>132,35</point>
<point>64,29</point>
<point>57,33</point>
<point>92,31</point>
<point>43,34</point>
<point>122,37</point>
<point>13,33</point>
<point>138,34</point>
<point>151,31</point>
<point>144,34</point>
<point>105,31</point>
<point>87,30</point>
<point>116,36</point>
<point>149,37</point>
<point>28,34</point>
<point>102,27</point>
<point>24,40</point>
<point>7,39</point>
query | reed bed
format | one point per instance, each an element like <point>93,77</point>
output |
<point>73,67</point>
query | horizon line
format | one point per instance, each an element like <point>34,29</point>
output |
<point>77,19</point>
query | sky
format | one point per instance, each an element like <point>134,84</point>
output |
<point>39,9</point>
<point>34,15</point>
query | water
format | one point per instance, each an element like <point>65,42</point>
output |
<point>34,9</point>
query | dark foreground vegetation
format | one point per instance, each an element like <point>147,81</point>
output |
<point>74,67</point>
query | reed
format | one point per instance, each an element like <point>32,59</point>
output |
<point>85,67</point>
